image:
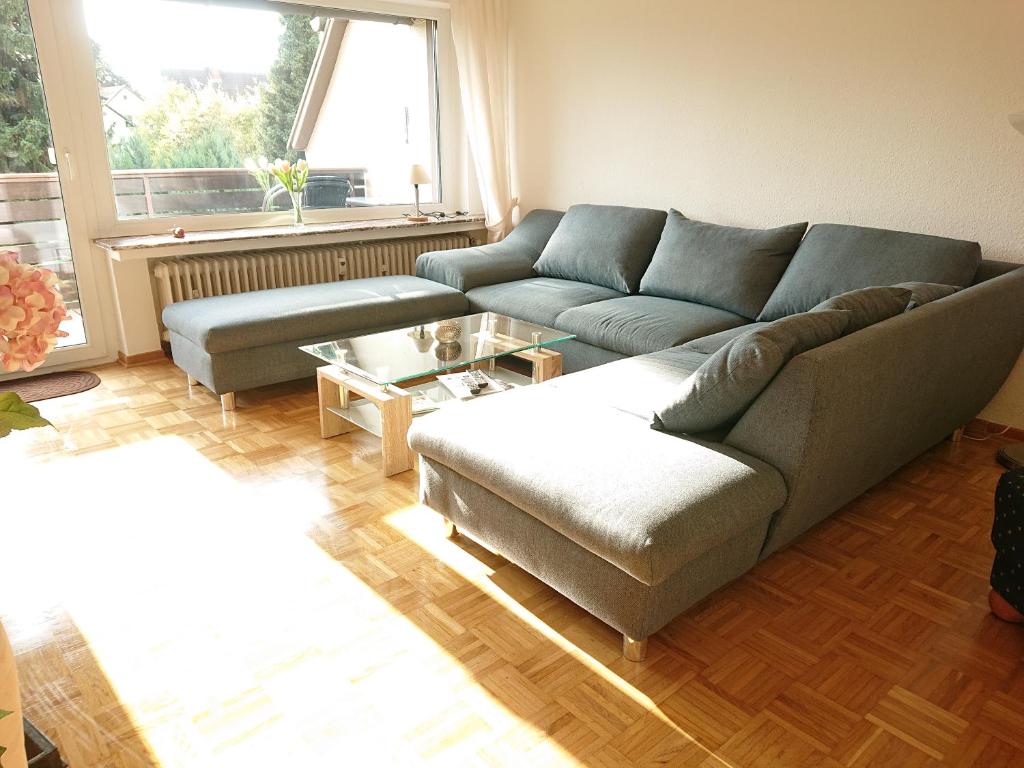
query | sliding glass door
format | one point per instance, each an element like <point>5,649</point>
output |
<point>33,222</point>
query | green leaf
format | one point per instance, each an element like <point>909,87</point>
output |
<point>15,413</point>
<point>3,713</point>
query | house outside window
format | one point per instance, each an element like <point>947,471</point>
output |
<point>352,93</point>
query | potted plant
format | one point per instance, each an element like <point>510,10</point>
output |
<point>31,311</point>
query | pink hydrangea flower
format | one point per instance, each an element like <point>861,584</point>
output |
<point>31,311</point>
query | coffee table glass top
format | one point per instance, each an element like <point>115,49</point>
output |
<point>392,357</point>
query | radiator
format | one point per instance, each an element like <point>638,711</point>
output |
<point>194,277</point>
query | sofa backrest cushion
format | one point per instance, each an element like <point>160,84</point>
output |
<point>868,306</point>
<point>835,258</point>
<point>606,245</point>
<point>730,268</point>
<point>925,293</point>
<point>532,233</point>
<point>730,380</point>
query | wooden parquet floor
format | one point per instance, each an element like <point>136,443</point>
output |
<point>186,588</point>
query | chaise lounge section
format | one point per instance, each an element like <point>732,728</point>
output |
<point>246,340</point>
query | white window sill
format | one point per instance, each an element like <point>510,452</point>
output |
<point>142,247</point>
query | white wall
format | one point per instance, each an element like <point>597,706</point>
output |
<point>889,113</point>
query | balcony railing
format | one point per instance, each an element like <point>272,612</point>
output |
<point>190,191</point>
<point>30,203</point>
<point>32,211</point>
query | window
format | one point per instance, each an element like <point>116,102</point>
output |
<point>189,91</point>
<point>32,218</point>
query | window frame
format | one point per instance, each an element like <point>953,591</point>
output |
<point>87,147</point>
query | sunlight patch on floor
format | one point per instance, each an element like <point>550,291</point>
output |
<point>426,530</point>
<point>229,636</point>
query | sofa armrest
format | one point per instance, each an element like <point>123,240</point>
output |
<point>840,418</point>
<point>468,268</point>
<point>511,259</point>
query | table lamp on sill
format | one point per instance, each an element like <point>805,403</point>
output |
<point>418,175</point>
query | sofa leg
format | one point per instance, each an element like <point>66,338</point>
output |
<point>450,531</point>
<point>957,436</point>
<point>227,401</point>
<point>634,650</point>
<point>192,381</point>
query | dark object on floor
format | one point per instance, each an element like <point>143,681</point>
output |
<point>1008,539</point>
<point>51,385</point>
<point>41,752</point>
<point>1002,609</point>
<point>1012,456</point>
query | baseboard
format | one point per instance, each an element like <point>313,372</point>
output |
<point>982,428</point>
<point>129,361</point>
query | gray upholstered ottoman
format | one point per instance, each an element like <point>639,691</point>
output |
<point>230,343</point>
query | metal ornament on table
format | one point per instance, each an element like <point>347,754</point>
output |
<point>422,339</point>
<point>448,330</point>
<point>446,352</point>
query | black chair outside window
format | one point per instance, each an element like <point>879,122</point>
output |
<point>319,192</point>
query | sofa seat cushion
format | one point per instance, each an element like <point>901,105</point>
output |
<point>634,385</point>
<point>836,258</point>
<point>347,307</point>
<point>731,268</point>
<point>608,245</point>
<point>536,300</point>
<point>635,325</point>
<point>645,501</point>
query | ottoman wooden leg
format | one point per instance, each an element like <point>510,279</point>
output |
<point>633,649</point>
<point>227,401</point>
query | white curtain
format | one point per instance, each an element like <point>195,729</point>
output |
<point>480,31</point>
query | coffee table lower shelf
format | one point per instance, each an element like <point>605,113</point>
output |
<point>349,402</point>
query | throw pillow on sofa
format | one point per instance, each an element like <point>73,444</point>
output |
<point>730,380</point>
<point>606,245</point>
<point>708,345</point>
<point>926,293</point>
<point>868,306</point>
<point>730,268</point>
<point>835,258</point>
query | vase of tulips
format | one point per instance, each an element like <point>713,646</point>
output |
<point>291,176</point>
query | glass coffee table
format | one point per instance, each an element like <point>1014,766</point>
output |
<point>380,381</point>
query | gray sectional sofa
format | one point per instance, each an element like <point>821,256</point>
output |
<point>569,480</point>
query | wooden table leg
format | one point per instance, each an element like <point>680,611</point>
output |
<point>332,395</point>
<point>396,418</point>
<point>547,364</point>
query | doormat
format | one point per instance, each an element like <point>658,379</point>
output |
<point>51,385</point>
